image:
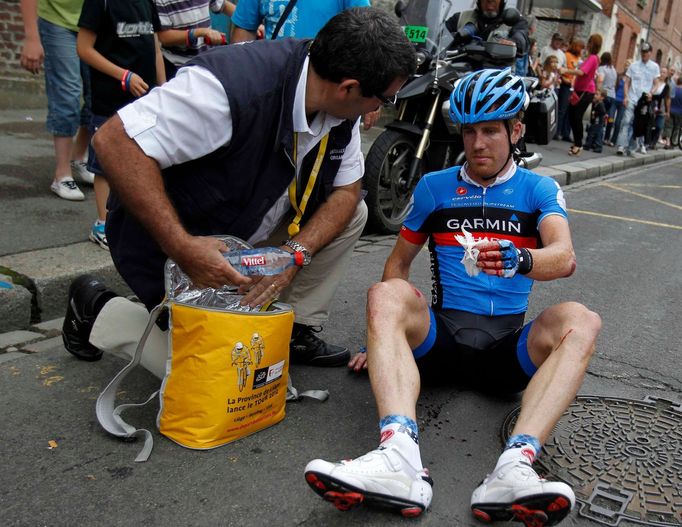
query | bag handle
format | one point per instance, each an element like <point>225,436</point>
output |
<point>282,19</point>
<point>109,416</point>
<point>294,395</point>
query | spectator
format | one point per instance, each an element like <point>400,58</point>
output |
<point>50,36</point>
<point>117,41</point>
<point>611,138</point>
<point>215,151</point>
<point>304,21</point>
<point>595,130</point>
<point>583,91</point>
<point>573,56</point>
<point>660,101</point>
<point>523,61</point>
<point>639,79</point>
<point>534,66</point>
<point>554,48</point>
<point>549,75</point>
<point>676,114</point>
<point>606,80</point>
<point>186,29</point>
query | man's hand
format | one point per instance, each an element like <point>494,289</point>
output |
<point>214,38</point>
<point>32,55</point>
<point>500,258</point>
<point>371,118</point>
<point>201,258</point>
<point>263,289</point>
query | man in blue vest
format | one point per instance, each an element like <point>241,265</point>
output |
<point>259,141</point>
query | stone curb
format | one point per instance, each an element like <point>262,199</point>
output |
<point>34,284</point>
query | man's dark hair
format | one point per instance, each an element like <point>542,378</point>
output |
<point>365,44</point>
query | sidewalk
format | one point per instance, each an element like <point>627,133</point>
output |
<point>44,243</point>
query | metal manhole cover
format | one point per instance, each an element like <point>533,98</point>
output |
<point>623,458</point>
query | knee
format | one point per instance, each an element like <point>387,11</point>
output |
<point>585,323</point>
<point>386,300</point>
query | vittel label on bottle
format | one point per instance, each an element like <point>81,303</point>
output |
<point>249,261</point>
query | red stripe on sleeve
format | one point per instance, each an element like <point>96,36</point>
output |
<point>417,238</point>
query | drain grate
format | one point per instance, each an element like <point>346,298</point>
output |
<point>623,458</point>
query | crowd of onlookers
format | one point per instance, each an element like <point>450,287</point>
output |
<point>635,109</point>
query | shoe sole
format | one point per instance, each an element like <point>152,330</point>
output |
<point>99,242</point>
<point>534,511</point>
<point>345,497</point>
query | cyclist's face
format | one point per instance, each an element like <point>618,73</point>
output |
<point>486,147</point>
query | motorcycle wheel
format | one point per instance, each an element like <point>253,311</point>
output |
<point>386,169</point>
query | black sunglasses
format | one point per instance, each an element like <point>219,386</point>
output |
<point>387,101</point>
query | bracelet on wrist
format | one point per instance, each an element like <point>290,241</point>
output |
<point>125,80</point>
<point>191,38</point>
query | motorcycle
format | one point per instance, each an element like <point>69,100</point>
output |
<point>422,138</point>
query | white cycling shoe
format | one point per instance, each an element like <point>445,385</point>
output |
<point>515,492</point>
<point>382,478</point>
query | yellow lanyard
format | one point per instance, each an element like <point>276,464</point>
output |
<point>294,227</point>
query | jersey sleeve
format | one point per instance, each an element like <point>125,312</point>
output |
<point>356,3</point>
<point>422,204</point>
<point>549,198</point>
<point>92,15</point>
<point>246,15</point>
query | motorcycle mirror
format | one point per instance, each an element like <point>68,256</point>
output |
<point>399,8</point>
<point>511,16</point>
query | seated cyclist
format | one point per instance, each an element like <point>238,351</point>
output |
<point>474,326</point>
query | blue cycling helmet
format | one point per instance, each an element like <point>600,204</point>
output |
<point>487,95</point>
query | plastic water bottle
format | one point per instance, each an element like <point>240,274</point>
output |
<point>263,261</point>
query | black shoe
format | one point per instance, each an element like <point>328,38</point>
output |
<point>87,296</point>
<point>307,348</point>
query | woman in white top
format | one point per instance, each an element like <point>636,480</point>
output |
<point>606,80</point>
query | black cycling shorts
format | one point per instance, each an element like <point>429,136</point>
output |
<point>480,352</point>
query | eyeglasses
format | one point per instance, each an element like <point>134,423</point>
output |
<point>387,101</point>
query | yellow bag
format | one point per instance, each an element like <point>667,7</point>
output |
<point>227,375</point>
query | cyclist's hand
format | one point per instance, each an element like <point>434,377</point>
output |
<point>500,258</point>
<point>137,85</point>
<point>359,362</point>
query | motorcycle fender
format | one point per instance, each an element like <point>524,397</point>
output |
<point>407,128</point>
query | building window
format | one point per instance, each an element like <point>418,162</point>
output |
<point>668,11</point>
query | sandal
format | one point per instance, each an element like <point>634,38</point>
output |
<point>575,150</point>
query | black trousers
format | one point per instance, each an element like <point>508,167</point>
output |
<point>575,115</point>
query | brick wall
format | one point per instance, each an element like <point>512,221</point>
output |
<point>11,41</point>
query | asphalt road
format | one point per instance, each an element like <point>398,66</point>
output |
<point>627,236</point>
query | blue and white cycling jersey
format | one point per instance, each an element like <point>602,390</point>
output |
<point>511,208</point>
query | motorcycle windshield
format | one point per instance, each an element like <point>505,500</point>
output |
<point>424,23</point>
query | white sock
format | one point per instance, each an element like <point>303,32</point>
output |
<point>401,438</point>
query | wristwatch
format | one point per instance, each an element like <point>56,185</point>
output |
<point>299,248</point>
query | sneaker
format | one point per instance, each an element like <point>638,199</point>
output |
<point>66,188</point>
<point>307,348</point>
<point>641,149</point>
<point>381,478</point>
<point>87,296</point>
<point>98,235</point>
<point>629,153</point>
<point>515,491</point>
<point>80,172</point>
<point>620,151</point>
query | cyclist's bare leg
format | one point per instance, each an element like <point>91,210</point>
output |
<point>561,342</point>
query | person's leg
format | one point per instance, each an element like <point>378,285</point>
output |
<point>610,104</point>
<point>676,128</point>
<point>620,111</point>
<point>398,320</point>
<point>554,350</point>
<point>97,232</point>
<point>625,134</point>
<point>560,343</point>
<point>598,140</point>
